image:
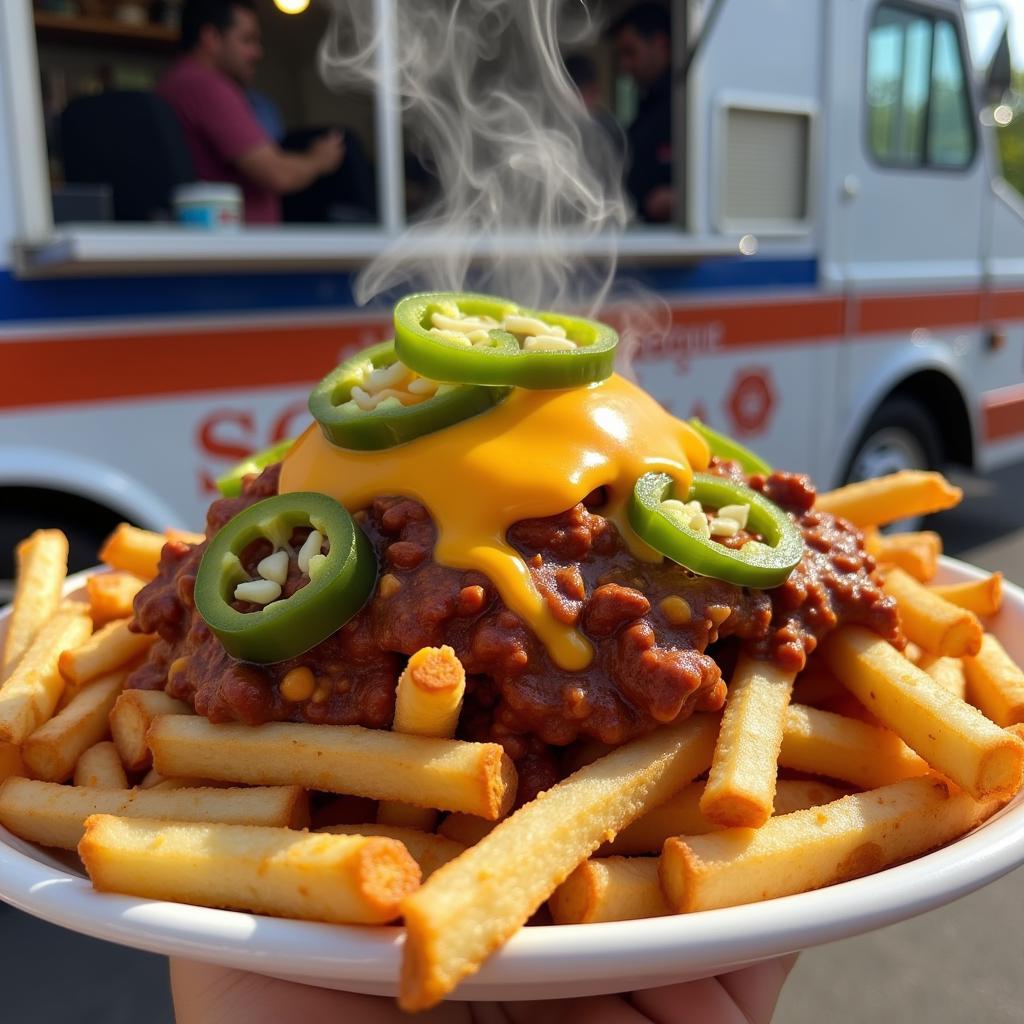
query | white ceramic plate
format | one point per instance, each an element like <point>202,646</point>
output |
<point>541,962</point>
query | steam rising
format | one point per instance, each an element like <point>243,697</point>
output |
<point>489,109</point>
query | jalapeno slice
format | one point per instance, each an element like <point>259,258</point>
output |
<point>726,448</point>
<point>340,582</point>
<point>230,484</point>
<point>373,401</point>
<point>481,339</point>
<point>682,533</point>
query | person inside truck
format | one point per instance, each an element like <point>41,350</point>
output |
<point>221,48</point>
<point>643,47</point>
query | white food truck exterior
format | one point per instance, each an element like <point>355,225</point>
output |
<point>845,285</point>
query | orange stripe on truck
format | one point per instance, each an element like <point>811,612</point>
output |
<point>93,369</point>
<point>1002,413</point>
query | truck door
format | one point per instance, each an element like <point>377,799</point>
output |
<point>910,186</point>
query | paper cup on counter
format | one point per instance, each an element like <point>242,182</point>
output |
<point>210,205</point>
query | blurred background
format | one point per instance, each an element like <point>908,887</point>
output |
<point>825,239</point>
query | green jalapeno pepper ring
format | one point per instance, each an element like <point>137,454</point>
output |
<point>759,565</point>
<point>503,363</point>
<point>343,423</point>
<point>230,484</point>
<point>726,448</point>
<point>292,625</point>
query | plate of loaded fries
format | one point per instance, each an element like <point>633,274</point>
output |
<point>500,682</point>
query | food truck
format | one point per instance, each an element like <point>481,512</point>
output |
<point>844,278</point>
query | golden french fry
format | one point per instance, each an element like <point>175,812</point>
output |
<point>305,875</point>
<point>983,597</point>
<point>824,743</point>
<point>30,693</point>
<point>133,550</point>
<point>10,761</point>
<point>914,553</point>
<point>42,567</point>
<point>995,683</point>
<point>452,775</point>
<point>914,653</point>
<point>154,780</point>
<point>609,889</point>
<point>53,749</point>
<point>850,837</point>
<point>885,499</point>
<point>428,850</point>
<point>741,786</point>
<point>931,621</point>
<point>103,652</point>
<point>185,536</point>
<point>680,815</point>
<point>467,829</point>
<point>473,904</point>
<point>111,595</point>
<point>100,767</point>
<point>52,814</point>
<point>953,737</point>
<point>132,716</point>
<point>948,673</point>
<point>427,703</point>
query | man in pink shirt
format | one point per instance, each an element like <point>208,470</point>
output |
<point>205,87</point>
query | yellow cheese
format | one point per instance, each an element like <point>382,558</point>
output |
<point>536,454</point>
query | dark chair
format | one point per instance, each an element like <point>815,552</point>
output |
<point>348,196</point>
<point>132,142</point>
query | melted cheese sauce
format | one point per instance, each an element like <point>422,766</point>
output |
<point>536,454</point>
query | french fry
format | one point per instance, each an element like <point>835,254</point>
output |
<point>112,595</point>
<point>931,621</point>
<point>30,693</point>
<point>133,550</point>
<point>103,652</point>
<point>53,815</point>
<point>914,553</point>
<point>983,597</point>
<point>848,838</point>
<point>278,871</point>
<point>741,786</point>
<point>427,703</point>
<point>953,737</point>
<point>100,767</point>
<point>132,716</point>
<point>885,499</point>
<point>157,781</point>
<point>468,908</point>
<point>948,673</point>
<point>451,775</point>
<point>42,567</point>
<point>680,815</point>
<point>467,829</point>
<point>428,850</point>
<point>609,889</point>
<point>10,761</point>
<point>995,683</point>
<point>152,780</point>
<point>824,743</point>
<point>53,749</point>
<point>914,653</point>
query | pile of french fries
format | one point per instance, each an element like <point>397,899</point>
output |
<point>869,757</point>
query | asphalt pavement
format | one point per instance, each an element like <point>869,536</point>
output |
<point>957,964</point>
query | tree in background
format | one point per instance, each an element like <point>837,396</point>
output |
<point>1011,140</point>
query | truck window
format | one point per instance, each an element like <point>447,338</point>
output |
<point>918,107</point>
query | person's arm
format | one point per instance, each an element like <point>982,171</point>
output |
<point>280,171</point>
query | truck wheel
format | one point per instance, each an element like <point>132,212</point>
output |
<point>24,509</point>
<point>900,435</point>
